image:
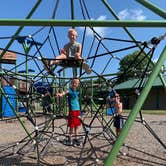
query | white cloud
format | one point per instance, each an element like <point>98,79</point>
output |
<point>102,18</point>
<point>131,14</point>
<point>102,31</point>
<point>123,14</point>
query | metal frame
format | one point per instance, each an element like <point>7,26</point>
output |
<point>110,23</point>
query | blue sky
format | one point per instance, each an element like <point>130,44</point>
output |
<point>125,10</point>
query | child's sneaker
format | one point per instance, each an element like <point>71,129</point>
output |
<point>46,63</point>
<point>86,67</point>
<point>76,142</point>
<point>68,141</point>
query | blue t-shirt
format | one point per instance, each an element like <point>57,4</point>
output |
<point>73,99</point>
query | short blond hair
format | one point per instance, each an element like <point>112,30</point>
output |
<point>75,80</point>
<point>72,30</point>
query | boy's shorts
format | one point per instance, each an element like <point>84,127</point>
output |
<point>73,119</point>
<point>119,121</point>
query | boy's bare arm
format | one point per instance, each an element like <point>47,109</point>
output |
<point>78,53</point>
<point>61,94</point>
<point>63,51</point>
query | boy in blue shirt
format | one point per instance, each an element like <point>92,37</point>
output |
<point>74,110</point>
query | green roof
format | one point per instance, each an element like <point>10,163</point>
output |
<point>135,83</point>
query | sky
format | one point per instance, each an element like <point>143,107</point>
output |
<point>87,9</point>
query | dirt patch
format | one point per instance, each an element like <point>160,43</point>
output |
<point>43,144</point>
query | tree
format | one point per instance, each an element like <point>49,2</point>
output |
<point>134,65</point>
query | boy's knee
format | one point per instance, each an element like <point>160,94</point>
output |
<point>77,56</point>
<point>63,56</point>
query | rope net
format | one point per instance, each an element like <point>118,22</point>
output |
<point>35,85</point>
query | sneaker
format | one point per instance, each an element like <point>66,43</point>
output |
<point>68,141</point>
<point>52,68</point>
<point>46,63</point>
<point>76,142</point>
<point>86,67</point>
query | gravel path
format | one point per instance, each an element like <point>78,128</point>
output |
<point>141,148</point>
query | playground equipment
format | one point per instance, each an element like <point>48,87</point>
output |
<point>11,96</point>
<point>33,54</point>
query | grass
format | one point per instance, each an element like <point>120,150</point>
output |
<point>152,112</point>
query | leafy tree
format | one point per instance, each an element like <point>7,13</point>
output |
<point>134,65</point>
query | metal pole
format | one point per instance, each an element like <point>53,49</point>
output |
<point>113,153</point>
<point>154,8</point>
<point>83,23</point>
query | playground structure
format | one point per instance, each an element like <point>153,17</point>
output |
<point>40,86</point>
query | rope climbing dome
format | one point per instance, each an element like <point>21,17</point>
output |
<point>41,86</point>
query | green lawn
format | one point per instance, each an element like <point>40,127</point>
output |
<point>154,112</point>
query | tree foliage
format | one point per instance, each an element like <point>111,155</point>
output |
<point>134,65</point>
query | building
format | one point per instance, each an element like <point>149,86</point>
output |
<point>155,99</point>
<point>8,57</point>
